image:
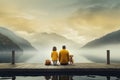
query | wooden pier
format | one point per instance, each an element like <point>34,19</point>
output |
<point>39,69</point>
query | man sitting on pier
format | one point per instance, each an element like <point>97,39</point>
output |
<point>64,56</point>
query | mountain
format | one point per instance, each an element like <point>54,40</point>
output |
<point>45,40</point>
<point>109,39</point>
<point>22,43</point>
<point>8,45</point>
<point>10,41</point>
<point>95,50</point>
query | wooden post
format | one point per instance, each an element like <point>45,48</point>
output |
<point>14,77</point>
<point>108,56</point>
<point>13,57</point>
<point>108,77</point>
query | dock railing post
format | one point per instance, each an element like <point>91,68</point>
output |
<point>13,57</point>
<point>108,56</point>
<point>14,77</point>
<point>108,77</point>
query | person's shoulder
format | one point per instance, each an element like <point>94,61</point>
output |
<point>56,52</point>
<point>61,51</point>
<point>67,51</point>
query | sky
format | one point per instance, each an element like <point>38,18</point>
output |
<point>78,20</point>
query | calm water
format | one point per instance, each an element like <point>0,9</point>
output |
<point>62,77</point>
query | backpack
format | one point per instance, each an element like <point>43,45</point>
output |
<point>47,62</point>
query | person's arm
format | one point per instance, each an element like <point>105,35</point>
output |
<point>68,56</point>
<point>59,56</point>
<point>51,54</point>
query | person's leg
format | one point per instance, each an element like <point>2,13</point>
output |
<point>64,63</point>
<point>55,62</point>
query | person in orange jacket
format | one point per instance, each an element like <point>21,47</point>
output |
<point>54,55</point>
<point>64,56</point>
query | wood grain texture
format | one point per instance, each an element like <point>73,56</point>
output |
<point>74,69</point>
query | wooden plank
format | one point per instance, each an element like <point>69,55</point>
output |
<point>40,65</point>
<point>74,69</point>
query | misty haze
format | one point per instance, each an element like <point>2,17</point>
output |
<point>40,50</point>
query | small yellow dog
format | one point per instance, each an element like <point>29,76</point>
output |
<point>71,59</point>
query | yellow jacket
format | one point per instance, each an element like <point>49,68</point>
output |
<point>64,56</point>
<point>54,55</point>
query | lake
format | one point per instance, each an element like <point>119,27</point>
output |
<point>62,77</point>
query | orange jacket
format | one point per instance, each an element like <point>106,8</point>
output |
<point>54,55</point>
<point>64,56</point>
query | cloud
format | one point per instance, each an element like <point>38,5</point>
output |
<point>93,18</point>
<point>16,19</point>
<point>96,18</point>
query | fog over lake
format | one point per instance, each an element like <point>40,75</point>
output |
<point>45,53</point>
<point>100,54</point>
<point>97,55</point>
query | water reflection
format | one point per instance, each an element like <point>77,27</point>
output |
<point>14,77</point>
<point>108,77</point>
<point>8,78</point>
<point>47,77</point>
<point>69,77</point>
<point>62,77</point>
<point>55,78</point>
<point>65,77</point>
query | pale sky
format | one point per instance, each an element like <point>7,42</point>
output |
<point>78,20</point>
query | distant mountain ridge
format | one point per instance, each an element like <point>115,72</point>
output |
<point>111,38</point>
<point>22,43</point>
<point>46,40</point>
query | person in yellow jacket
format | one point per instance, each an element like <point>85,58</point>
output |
<point>64,56</point>
<point>54,55</point>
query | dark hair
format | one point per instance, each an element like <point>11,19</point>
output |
<point>54,48</point>
<point>64,47</point>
